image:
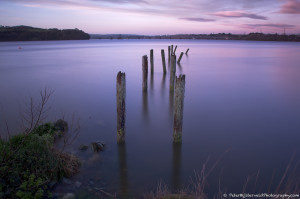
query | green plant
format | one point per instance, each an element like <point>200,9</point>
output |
<point>28,162</point>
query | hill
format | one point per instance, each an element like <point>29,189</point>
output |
<point>27,33</point>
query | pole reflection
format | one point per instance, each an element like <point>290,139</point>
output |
<point>171,105</point>
<point>123,187</point>
<point>179,67</point>
<point>176,167</point>
<point>163,85</point>
<point>145,105</point>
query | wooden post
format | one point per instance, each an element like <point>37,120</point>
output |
<point>175,50</point>
<point>180,57</point>
<point>163,60</point>
<point>173,72</point>
<point>145,72</point>
<point>187,51</point>
<point>171,50</point>
<point>121,94</point>
<point>169,53</point>
<point>178,108</point>
<point>151,61</point>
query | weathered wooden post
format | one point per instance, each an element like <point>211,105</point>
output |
<point>187,51</point>
<point>178,108</point>
<point>171,50</point>
<point>173,72</point>
<point>169,53</point>
<point>121,94</point>
<point>151,61</point>
<point>163,60</point>
<point>175,49</point>
<point>145,72</point>
<point>180,57</point>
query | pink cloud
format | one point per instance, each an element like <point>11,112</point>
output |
<point>270,25</point>
<point>290,7</point>
<point>239,14</point>
<point>198,19</point>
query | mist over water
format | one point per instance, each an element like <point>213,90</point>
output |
<point>241,108</point>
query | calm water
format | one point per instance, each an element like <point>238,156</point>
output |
<point>241,109</point>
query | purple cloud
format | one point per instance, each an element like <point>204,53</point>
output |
<point>123,1</point>
<point>197,19</point>
<point>270,25</point>
<point>239,14</point>
<point>290,7</point>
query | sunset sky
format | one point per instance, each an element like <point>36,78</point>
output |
<point>154,17</point>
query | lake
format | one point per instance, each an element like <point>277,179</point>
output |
<point>241,117</point>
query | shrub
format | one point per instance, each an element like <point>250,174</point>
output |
<point>29,162</point>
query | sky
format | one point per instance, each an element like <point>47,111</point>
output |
<point>156,17</point>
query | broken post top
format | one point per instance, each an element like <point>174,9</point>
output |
<point>121,84</point>
<point>120,77</point>
<point>180,78</point>
<point>180,57</point>
<point>173,57</point>
<point>145,60</point>
<point>120,74</point>
<point>187,51</point>
<point>145,63</point>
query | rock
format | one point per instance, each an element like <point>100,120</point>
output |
<point>92,160</point>
<point>66,181</point>
<point>78,184</point>
<point>91,182</point>
<point>103,184</point>
<point>69,196</point>
<point>83,147</point>
<point>56,195</point>
<point>61,125</point>
<point>98,146</point>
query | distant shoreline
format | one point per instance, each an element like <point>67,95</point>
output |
<point>219,36</point>
<point>27,33</point>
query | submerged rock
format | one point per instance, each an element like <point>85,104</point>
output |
<point>69,196</point>
<point>78,184</point>
<point>66,181</point>
<point>98,146</point>
<point>61,125</point>
<point>83,147</point>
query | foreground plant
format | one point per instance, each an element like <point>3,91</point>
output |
<point>30,162</point>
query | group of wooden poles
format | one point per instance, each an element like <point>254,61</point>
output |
<point>177,84</point>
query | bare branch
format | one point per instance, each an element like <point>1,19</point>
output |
<point>35,113</point>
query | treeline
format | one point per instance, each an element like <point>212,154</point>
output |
<point>27,33</point>
<point>219,36</point>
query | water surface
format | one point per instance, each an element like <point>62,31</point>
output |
<point>241,109</point>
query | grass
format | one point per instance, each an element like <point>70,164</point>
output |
<point>288,184</point>
<point>29,162</point>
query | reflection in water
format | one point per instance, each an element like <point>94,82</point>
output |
<point>171,105</point>
<point>169,65</point>
<point>145,105</point>
<point>248,90</point>
<point>151,81</point>
<point>179,67</point>
<point>163,85</point>
<point>123,170</point>
<point>176,170</point>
